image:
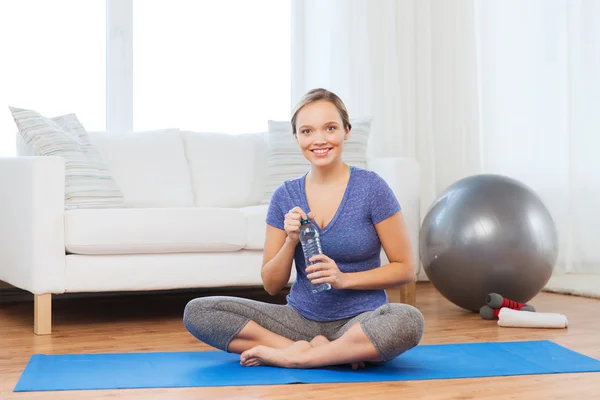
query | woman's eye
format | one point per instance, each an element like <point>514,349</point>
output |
<point>331,128</point>
<point>306,131</point>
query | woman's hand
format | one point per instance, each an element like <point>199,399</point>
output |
<point>291,222</point>
<point>325,271</point>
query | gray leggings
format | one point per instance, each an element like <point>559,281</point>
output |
<point>392,328</point>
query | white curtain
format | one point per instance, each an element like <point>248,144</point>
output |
<point>468,87</point>
<point>540,90</point>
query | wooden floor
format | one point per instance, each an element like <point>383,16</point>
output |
<point>154,323</point>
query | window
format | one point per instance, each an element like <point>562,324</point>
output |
<point>219,66</point>
<point>200,65</point>
<point>53,60</point>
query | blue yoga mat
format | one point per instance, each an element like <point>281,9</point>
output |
<point>216,368</point>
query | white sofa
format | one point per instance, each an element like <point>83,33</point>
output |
<point>193,216</point>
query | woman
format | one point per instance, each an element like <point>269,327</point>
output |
<point>356,213</point>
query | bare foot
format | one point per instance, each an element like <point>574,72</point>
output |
<point>359,365</point>
<point>321,340</point>
<point>290,357</point>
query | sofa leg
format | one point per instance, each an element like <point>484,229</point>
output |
<point>406,294</point>
<point>42,314</point>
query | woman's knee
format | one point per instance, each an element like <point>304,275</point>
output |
<point>399,329</point>
<point>415,320</point>
<point>410,323</point>
<point>194,310</point>
<point>200,312</point>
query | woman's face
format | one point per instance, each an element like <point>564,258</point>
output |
<point>320,133</point>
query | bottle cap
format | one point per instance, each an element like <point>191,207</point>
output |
<point>304,221</point>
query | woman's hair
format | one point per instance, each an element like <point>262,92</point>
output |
<point>321,94</point>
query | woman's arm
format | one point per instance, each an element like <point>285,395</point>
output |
<point>278,256</point>
<point>395,241</point>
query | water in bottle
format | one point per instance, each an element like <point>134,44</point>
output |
<point>311,246</point>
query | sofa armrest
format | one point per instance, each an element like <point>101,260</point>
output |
<point>32,239</point>
<point>403,176</point>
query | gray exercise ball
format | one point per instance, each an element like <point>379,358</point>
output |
<point>488,234</point>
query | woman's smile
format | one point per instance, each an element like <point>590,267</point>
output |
<point>322,152</point>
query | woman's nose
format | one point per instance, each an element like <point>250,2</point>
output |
<point>319,137</point>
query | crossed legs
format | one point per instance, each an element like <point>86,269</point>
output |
<point>353,347</point>
<point>268,334</point>
<point>253,335</point>
<point>259,346</point>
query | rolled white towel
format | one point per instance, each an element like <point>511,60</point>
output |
<point>527,319</point>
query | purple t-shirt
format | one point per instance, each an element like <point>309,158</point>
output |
<point>350,239</point>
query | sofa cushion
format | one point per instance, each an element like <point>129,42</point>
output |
<point>256,226</point>
<point>149,167</point>
<point>88,182</point>
<point>154,230</point>
<point>227,170</point>
<point>163,271</point>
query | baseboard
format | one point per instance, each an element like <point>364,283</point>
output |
<point>586,285</point>
<point>422,276</point>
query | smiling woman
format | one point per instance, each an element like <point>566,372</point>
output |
<point>320,124</point>
<point>357,214</point>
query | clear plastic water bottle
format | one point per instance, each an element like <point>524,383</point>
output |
<point>311,246</point>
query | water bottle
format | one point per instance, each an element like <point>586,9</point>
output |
<point>311,246</point>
